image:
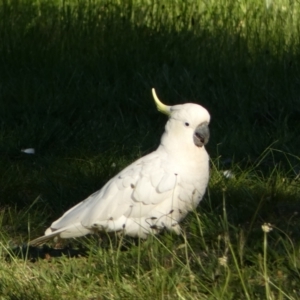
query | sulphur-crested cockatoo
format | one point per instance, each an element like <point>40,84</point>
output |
<point>154,192</point>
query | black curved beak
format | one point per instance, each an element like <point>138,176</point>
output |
<point>201,135</point>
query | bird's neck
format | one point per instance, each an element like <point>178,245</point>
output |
<point>183,151</point>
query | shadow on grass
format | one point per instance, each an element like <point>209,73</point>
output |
<point>45,252</point>
<point>74,248</point>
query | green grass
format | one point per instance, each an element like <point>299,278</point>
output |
<point>75,84</point>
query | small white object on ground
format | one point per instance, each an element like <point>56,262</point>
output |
<point>228,174</point>
<point>28,151</point>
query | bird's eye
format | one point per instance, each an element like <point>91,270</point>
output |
<point>187,124</point>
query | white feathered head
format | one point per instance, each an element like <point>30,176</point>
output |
<point>184,118</point>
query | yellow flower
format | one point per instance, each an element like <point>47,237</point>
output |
<point>266,227</point>
<point>223,260</point>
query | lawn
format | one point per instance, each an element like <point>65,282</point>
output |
<point>75,85</point>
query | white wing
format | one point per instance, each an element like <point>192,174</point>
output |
<point>127,202</point>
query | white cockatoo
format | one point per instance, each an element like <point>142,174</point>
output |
<point>153,193</point>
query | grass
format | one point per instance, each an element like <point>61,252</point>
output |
<point>75,84</point>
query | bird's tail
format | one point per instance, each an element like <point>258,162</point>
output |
<point>43,239</point>
<point>71,231</point>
